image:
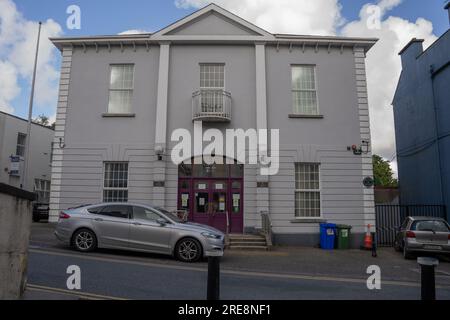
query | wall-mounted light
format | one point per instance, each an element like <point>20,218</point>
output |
<point>62,145</point>
<point>159,150</point>
<point>364,148</point>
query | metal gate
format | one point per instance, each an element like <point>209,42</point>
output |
<point>390,217</point>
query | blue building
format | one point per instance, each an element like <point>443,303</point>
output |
<point>422,122</point>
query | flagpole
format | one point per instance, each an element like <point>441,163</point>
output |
<point>27,153</point>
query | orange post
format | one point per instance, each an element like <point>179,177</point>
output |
<point>368,240</point>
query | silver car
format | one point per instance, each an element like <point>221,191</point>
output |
<point>423,234</point>
<point>137,227</point>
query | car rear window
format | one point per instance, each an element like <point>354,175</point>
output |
<point>430,225</point>
<point>95,210</point>
<point>117,211</point>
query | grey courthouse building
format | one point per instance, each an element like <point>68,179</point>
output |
<point>122,96</point>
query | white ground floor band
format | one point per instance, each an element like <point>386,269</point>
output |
<point>78,177</point>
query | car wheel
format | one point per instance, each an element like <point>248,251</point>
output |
<point>406,254</point>
<point>84,240</point>
<point>188,250</point>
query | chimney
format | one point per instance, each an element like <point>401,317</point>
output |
<point>447,7</point>
<point>411,51</point>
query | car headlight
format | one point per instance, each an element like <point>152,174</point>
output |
<point>211,235</point>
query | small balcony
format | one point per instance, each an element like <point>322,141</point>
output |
<point>212,105</point>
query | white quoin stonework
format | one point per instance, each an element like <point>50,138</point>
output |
<point>59,140</point>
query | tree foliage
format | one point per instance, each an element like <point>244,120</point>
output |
<point>45,121</point>
<point>384,176</point>
<point>42,120</point>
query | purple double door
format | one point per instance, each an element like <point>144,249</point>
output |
<point>217,202</point>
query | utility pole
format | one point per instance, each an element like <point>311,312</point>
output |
<point>27,153</point>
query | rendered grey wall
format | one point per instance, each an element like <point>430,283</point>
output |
<point>91,139</point>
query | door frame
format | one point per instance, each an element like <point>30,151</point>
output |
<point>229,191</point>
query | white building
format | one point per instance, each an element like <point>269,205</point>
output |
<point>121,97</point>
<point>13,137</point>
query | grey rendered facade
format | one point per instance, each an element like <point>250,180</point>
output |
<point>258,67</point>
<point>422,123</point>
<point>39,169</point>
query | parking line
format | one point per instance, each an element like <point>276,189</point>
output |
<point>80,294</point>
<point>235,272</point>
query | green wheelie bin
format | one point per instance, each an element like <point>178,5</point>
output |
<point>343,236</point>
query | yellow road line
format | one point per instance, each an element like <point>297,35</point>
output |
<point>80,294</point>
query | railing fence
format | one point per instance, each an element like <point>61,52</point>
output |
<point>390,217</point>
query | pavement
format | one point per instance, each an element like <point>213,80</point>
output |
<point>283,273</point>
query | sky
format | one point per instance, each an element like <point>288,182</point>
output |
<point>399,21</point>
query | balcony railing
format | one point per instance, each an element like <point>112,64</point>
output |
<point>211,105</point>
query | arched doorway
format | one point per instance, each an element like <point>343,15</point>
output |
<point>213,194</point>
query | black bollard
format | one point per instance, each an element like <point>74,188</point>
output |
<point>213,293</point>
<point>374,245</point>
<point>428,280</point>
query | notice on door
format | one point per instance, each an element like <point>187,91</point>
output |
<point>185,200</point>
<point>236,200</point>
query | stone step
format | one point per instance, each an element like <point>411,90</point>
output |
<point>250,248</point>
<point>248,243</point>
<point>246,237</point>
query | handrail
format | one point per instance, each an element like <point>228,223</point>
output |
<point>228,222</point>
<point>181,214</point>
<point>267,227</point>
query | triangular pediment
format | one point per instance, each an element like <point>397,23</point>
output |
<point>212,21</point>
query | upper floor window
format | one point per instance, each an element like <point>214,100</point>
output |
<point>307,190</point>
<point>212,76</point>
<point>121,88</point>
<point>21,140</point>
<point>115,184</point>
<point>304,91</point>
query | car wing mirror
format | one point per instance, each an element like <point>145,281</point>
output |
<point>161,222</point>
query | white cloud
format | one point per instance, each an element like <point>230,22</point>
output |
<point>384,67</point>
<point>134,31</point>
<point>9,88</point>
<point>17,51</point>
<point>318,17</point>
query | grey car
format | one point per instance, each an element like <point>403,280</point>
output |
<point>137,227</point>
<point>423,235</point>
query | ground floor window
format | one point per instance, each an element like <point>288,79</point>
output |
<point>115,184</point>
<point>42,189</point>
<point>307,190</point>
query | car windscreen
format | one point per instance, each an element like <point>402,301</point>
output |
<point>430,225</point>
<point>169,215</point>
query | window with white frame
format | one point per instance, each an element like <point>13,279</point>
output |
<point>21,140</point>
<point>42,189</point>
<point>115,184</point>
<point>212,83</point>
<point>304,91</point>
<point>121,88</point>
<point>212,76</point>
<point>307,190</point>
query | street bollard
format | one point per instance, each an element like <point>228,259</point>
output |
<point>213,293</point>
<point>428,280</point>
<point>374,245</point>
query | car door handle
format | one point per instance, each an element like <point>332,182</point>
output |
<point>99,219</point>
<point>137,223</point>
